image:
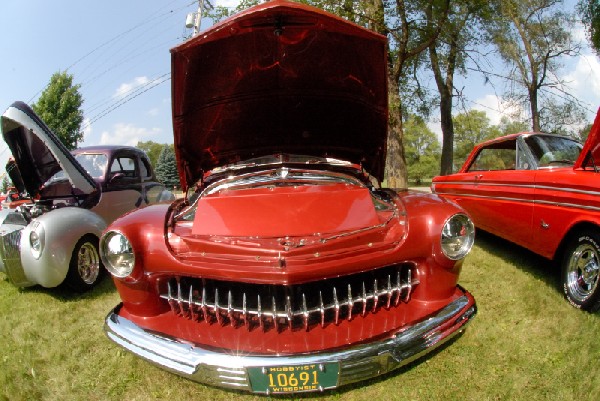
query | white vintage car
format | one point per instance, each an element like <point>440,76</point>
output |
<point>53,239</point>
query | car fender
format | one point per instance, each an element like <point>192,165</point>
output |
<point>62,229</point>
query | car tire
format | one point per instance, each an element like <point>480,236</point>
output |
<point>580,271</point>
<point>85,268</point>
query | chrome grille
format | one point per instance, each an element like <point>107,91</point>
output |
<point>293,307</point>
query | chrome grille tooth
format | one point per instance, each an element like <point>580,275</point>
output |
<point>304,312</point>
<point>230,308</point>
<point>203,305</point>
<point>336,306</point>
<point>350,303</point>
<point>274,306</point>
<point>245,311</point>
<point>322,309</point>
<point>259,312</point>
<point>170,299</point>
<point>364,299</point>
<point>389,291</point>
<point>217,312</point>
<point>179,298</point>
<point>288,310</point>
<point>408,284</point>
<point>398,288</point>
<point>191,303</point>
<point>375,295</point>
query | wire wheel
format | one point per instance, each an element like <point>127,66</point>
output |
<point>88,263</point>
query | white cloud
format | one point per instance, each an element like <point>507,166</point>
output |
<point>125,88</point>
<point>495,108</point>
<point>584,79</point>
<point>128,134</point>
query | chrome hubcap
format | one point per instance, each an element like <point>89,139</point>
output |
<point>583,272</point>
<point>88,263</point>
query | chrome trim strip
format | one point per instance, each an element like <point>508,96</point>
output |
<point>533,201</point>
<point>532,186</point>
<point>228,370</point>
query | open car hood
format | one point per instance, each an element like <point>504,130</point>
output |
<point>38,153</point>
<point>280,77</point>
<point>590,154</point>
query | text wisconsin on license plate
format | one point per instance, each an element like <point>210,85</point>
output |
<point>294,378</point>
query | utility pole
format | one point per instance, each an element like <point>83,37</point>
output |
<point>198,20</point>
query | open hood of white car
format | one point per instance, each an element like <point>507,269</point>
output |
<point>38,153</point>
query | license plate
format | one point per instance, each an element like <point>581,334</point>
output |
<point>294,378</point>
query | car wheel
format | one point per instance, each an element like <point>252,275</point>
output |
<point>85,268</point>
<point>581,271</point>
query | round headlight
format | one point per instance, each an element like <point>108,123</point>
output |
<point>117,254</point>
<point>37,239</point>
<point>458,236</point>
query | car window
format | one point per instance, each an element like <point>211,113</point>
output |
<point>499,156</point>
<point>550,150</point>
<point>145,168</point>
<point>124,165</point>
<point>93,163</point>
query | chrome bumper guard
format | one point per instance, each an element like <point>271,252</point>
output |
<point>356,363</point>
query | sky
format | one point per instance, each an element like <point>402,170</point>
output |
<point>118,51</point>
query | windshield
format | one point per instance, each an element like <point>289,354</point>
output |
<point>93,163</point>
<point>549,150</point>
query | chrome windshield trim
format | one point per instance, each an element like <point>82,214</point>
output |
<point>356,363</point>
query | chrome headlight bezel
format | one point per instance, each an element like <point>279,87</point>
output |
<point>117,254</point>
<point>457,237</point>
<point>37,239</point>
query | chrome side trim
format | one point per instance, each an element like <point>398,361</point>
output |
<point>531,186</point>
<point>227,369</point>
<point>532,201</point>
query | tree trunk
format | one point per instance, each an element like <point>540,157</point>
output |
<point>395,166</point>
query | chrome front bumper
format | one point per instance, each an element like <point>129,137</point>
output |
<point>355,363</point>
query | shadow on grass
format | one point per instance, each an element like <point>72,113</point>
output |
<point>65,294</point>
<point>545,270</point>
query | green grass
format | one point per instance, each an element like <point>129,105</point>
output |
<point>526,343</point>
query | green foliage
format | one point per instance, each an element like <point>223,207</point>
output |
<point>166,167</point>
<point>422,150</point>
<point>471,128</point>
<point>152,149</point>
<point>589,10</point>
<point>59,106</point>
<point>5,184</point>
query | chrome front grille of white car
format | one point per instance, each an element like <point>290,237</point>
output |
<point>293,307</point>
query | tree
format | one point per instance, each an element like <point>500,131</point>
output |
<point>471,128</point>
<point>5,184</point>
<point>59,106</point>
<point>531,36</point>
<point>422,150</point>
<point>411,27</point>
<point>152,149</point>
<point>589,10</point>
<point>166,167</point>
<point>447,56</point>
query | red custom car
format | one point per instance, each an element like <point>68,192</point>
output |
<point>286,268</point>
<point>539,191</point>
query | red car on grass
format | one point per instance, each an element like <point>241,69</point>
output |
<point>286,268</point>
<point>542,192</point>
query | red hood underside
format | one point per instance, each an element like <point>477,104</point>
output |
<point>281,77</point>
